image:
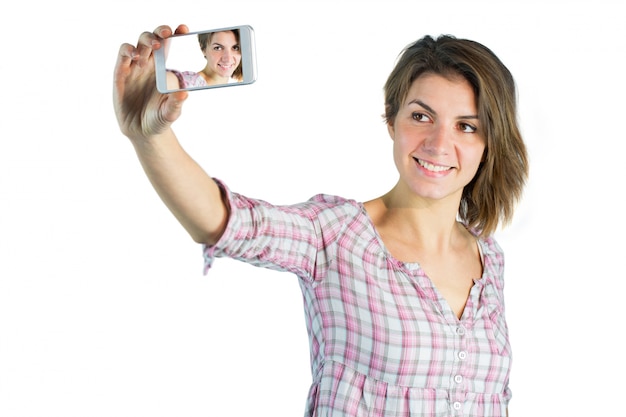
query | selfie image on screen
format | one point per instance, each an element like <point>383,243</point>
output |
<point>206,59</point>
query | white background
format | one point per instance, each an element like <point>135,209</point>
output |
<point>104,310</point>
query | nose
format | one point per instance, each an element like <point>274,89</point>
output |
<point>438,141</point>
<point>226,54</point>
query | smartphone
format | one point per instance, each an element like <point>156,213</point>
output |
<point>222,57</point>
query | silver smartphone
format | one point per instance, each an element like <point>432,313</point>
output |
<point>222,57</point>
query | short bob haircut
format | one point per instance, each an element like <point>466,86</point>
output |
<point>205,38</point>
<point>491,196</point>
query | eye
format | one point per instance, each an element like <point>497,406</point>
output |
<point>217,48</point>
<point>420,117</point>
<point>236,48</point>
<point>467,128</point>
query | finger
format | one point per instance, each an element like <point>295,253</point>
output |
<point>163,31</point>
<point>147,39</point>
<point>181,29</point>
<point>150,41</point>
<point>126,54</point>
<point>147,42</point>
<point>125,57</point>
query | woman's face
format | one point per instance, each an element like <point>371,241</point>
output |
<point>438,140</point>
<point>223,53</point>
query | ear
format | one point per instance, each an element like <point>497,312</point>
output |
<point>389,121</point>
<point>391,130</point>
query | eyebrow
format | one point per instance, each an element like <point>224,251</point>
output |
<point>430,109</point>
<point>222,45</point>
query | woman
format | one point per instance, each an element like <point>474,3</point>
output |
<point>403,293</point>
<point>222,51</point>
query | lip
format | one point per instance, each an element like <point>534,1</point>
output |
<point>432,169</point>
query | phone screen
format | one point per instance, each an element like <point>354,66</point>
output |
<point>223,57</point>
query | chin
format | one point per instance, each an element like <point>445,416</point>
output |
<point>428,193</point>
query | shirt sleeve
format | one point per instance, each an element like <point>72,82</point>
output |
<point>292,238</point>
<point>187,79</point>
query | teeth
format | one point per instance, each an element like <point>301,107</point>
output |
<point>431,167</point>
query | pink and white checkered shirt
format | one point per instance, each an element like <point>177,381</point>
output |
<point>383,341</point>
<point>191,79</point>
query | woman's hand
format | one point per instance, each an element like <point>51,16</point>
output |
<point>142,112</point>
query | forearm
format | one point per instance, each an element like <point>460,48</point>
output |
<point>185,188</point>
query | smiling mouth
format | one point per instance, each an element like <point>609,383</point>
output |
<point>432,167</point>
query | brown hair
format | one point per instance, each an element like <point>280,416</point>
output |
<point>491,196</point>
<point>205,38</point>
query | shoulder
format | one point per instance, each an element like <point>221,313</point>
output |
<point>317,207</point>
<point>493,259</point>
<point>340,206</point>
<point>189,78</point>
<point>333,200</point>
<point>490,244</point>
<point>489,247</point>
<point>325,209</point>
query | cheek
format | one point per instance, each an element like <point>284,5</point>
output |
<point>477,157</point>
<point>400,151</point>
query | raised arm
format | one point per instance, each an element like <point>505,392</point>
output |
<point>145,116</point>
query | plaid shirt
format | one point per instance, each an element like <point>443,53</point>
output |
<point>383,341</point>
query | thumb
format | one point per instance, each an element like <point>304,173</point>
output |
<point>173,105</point>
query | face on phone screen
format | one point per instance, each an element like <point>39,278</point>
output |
<point>206,59</point>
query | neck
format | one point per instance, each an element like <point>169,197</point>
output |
<point>431,224</point>
<point>212,78</point>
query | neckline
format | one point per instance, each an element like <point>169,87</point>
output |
<point>415,267</point>
<point>414,270</point>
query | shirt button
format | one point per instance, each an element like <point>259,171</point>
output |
<point>456,406</point>
<point>460,330</point>
<point>458,379</point>
<point>462,355</point>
